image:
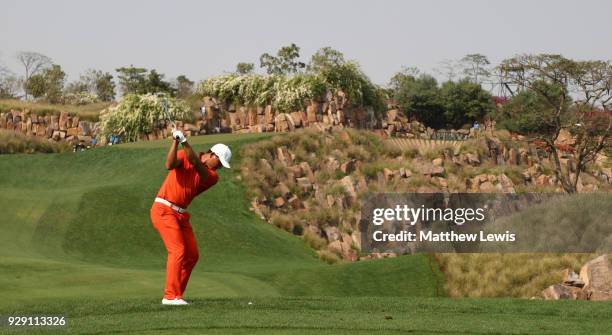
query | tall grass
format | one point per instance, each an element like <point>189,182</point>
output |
<point>505,275</point>
<point>89,112</point>
<point>12,142</point>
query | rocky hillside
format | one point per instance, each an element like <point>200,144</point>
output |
<point>310,182</point>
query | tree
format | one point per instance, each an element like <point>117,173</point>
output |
<point>77,86</point>
<point>400,78</point>
<point>105,86</point>
<point>155,83</point>
<point>54,83</point>
<point>141,81</point>
<point>244,68</point>
<point>527,112</point>
<point>184,87</point>
<point>285,62</point>
<point>552,80</point>
<point>94,82</point>
<point>10,86</point>
<point>9,83</point>
<point>464,102</point>
<point>325,58</point>
<point>448,68</point>
<point>48,85</point>
<point>132,79</point>
<point>34,63</point>
<point>419,98</point>
<point>475,67</point>
<point>4,71</point>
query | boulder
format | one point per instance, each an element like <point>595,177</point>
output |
<point>487,187</point>
<point>307,171</point>
<point>542,180</point>
<point>41,130</point>
<point>332,233</point>
<point>283,155</point>
<point>63,121</point>
<point>571,278</point>
<point>304,184</point>
<point>506,184</point>
<point>296,170</point>
<point>597,277</point>
<point>349,188</point>
<point>472,159</point>
<point>343,249</point>
<point>558,291</point>
<point>284,122</point>
<point>532,172</point>
<point>434,171</point>
<point>565,138</point>
<point>350,166</point>
<point>279,202</point>
<point>295,202</point>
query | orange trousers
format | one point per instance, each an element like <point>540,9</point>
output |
<point>177,234</point>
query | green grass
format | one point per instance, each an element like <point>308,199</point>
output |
<point>76,239</point>
<point>328,315</point>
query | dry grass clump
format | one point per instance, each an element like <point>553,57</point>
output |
<point>90,112</point>
<point>505,275</point>
<point>12,142</point>
<point>328,256</point>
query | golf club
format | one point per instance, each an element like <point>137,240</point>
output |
<point>165,109</point>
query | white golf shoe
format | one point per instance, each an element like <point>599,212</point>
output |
<point>174,302</point>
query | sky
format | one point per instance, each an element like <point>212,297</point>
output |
<point>205,38</point>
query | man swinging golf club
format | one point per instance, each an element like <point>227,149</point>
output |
<point>189,175</point>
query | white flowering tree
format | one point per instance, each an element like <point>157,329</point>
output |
<point>138,114</point>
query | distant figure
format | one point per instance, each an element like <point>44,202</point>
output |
<point>114,139</point>
<point>476,128</point>
<point>94,142</point>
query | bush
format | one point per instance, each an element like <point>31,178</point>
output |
<point>290,93</point>
<point>313,240</point>
<point>80,98</point>
<point>140,114</point>
<point>328,257</point>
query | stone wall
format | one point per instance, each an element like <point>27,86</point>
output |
<point>333,112</point>
<point>61,127</point>
<point>220,117</point>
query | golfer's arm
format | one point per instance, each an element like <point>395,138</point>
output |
<point>171,161</point>
<point>195,160</point>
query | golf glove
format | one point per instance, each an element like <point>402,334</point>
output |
<point>178,135</point>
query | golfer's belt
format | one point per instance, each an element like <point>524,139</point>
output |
<point>171,205</point>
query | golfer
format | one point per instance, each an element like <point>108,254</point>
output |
<point>189,175</point>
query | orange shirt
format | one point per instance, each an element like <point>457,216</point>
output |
<point>183,183</point>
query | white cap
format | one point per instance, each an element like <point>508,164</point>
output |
<point>223,152</point>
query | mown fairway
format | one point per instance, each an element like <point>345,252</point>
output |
<point>76,240</point>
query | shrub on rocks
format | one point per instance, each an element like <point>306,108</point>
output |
<point>140,114</point>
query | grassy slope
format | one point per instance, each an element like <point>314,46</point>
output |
<point>85,112</point>
<point>76,239</point>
